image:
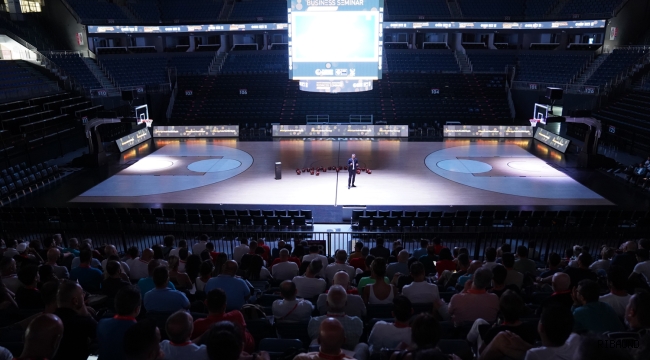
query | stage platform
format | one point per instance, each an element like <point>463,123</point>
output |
<point>449,173</point>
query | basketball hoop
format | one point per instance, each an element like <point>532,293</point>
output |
<point>146,121</point>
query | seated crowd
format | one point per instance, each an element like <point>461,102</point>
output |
<point>176,301</point>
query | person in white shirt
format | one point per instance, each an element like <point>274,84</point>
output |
<point>313,255</point>
<point>111,250</point>
<point>309,286</point>
<point>289,308</point>
<point>605,260</point>
<point>240,250</point>
<point>86,245</point>
<point>200,246</point>
<point>555,329</point>
<point>618,298</point>
<point>514,277</point>
<point>643,265</point>
<point>385,335</point>
<point>420,291</point>
<point>140,266</point>
<point>341,257</point>
<point>182,244</point>
<point>577,250</point>
<point>285,269</point>
<point>9,275</point>
<point>490,258</point>
<point>354,305</point>
<point>179,328</point>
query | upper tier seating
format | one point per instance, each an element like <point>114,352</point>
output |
<point>421,61</point>
<point>589,7</point>
<point>613,65</point>
<point>195,10</point>
<point>264,10</point>
<point>89,10</point>
<point>264,62</point>
<point>409,8</point>
<point>550,67</point>
<point>74,66</point>
<point>630,115</point>
<point>491,9</point>
<point>145,10</point>
<point>16,76</point>
<point>538,8</point>
<point>492,61</point>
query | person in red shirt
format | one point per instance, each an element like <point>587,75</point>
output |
<point>216,303</point>
<point>267,249</point>
<point>437,245</point>
<point>291,258</point>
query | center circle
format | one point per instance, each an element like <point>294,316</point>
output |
<point>213,165</point>
<point>464,166</point>
<point>151,164</point>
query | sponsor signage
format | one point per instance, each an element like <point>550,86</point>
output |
<point>555,141</point>
<point>221,131</point>
<point>133,139</point>
<point>488,131</point>
<point>343,130</point>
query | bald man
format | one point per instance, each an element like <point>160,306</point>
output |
<point>42,337</point>
<point>336,301</point>
<point>331,339</point>
<point>354,305</point>
<point>561,284</point>
<point>139,266</point>
<point>236,289</point>
<point>179,328</point>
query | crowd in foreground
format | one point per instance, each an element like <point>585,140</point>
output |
<point>176,301</point>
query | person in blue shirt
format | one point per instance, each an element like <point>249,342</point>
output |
<point>162,298</point>
<point>424,243</point>
<point>146,284</point>
<point>88,277</point>
<point>236,289</point>
<point>591,314</point>
<point>110,332</point>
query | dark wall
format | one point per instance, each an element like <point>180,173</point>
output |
<point>632,23</point>
<point>525,100</point>
<point>64,25</point>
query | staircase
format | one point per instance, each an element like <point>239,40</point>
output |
<point>454,9</point>
<point>101,77</point>
<point>226,9</point>
<point>463,62</point>
<point>591,69</point>
<point>217,64</point>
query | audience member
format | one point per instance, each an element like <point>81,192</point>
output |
<point>114,282</point>
<point>399,267</point>
<point>28,296</point>
<point>389,335</point>
<point>142,341</point>
<point>290,309</point>
<point>331,339</point>
<point>314,254</point>
<point>352,325</point>
<point>180,279</point>
<point>463,263</point>
<point>606,254</point>
<point>256,270</point>
<point>42,338</point>
<point>617,298</point>
<point>27,255</point>
<point>168,241</point>
<point>554,261</point>
<point>261,243</point>
<point>591,314</point>
<point>643,265</point>
<point>309,286</point>
<point>162,298</point>
<point>514,277</point>
<point>110,332</point>
<point>139,266</point>
<point>86,245</point>
<point>339,265</point>
<point>73,247</point>
<point>53,256</point>
<point>420,291</point>
<point>80,327</point>
<point>240,250</point>
<point>236,289</point>
<point>425,335</point>
<point>359,262</point>
<point>573,261</point>
<point>380,291</point>
<point>490,258</point>
<point>179,327</point>
<point>146,284</point>
<point>523,264</point>
<point>45,274</point>
<point>429,260</point>
<point>7,302</point>
<point>354,305</point>
<point>499,274</point>
<point>89,278</point>
<point>626,260</point>
<point>366,277</point>
<point>111,250</point>
<point>357,253</point>
<point>282,268</point>
<point>379,250</point>
<point>9,275</point>
<point>224,342</point>
<point>561,296</point>
<point>200,246</point>
<point>473,266</point>
<point>182,244</point>
<point>417,253</point>
<point>473,303</point>
<point>205,275</point>
<point>10,251</point>
<point>445,262</point>
<point>582,271</point>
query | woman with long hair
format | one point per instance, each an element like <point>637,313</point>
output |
<point>205,274</point>
<point>256,270</point>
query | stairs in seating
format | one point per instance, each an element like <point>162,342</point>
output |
<point>101,77</point>
<point>216,66</point>
<point>591,69</point>
<point>465,68</point>
<point>454,9</point>
<point>226,9</point>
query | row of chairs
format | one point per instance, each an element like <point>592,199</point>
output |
<point>505,214</point>
<point>21,179</point>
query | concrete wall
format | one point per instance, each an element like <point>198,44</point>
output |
<point>631,23</point>
<point>64,25</point>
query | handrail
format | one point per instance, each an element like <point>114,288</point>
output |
<point>172,100</point>
<point>568,88</point>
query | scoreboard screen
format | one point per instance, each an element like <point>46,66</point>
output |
<point>335,40</point>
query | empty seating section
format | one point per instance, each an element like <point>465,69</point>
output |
<point>127,71</point>
<point>538,8</point>
<point>550,67</point>
<point>491,61</point>
<point>145,10</point>
<point>262,62</point>
<point>252,10</point>
<point>192,65</point>
<point>421,61</point>
<point>589,7</point>
<point>195,10</point>
<point>491,9</point>
<point>24,178</point>
<point>89,10</point>
<point>426,8</point>
<point>13,75</point>
<point>630,115</point>
<point>75,67</point>
<point>614,64</point>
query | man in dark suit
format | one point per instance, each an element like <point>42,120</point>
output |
<point>353,164</point>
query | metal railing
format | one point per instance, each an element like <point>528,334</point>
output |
<point>172,100</point>
<point>318,119</point>
<point>361,119</point>
<point>568,88</point>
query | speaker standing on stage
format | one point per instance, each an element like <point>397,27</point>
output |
<point>353,164</point>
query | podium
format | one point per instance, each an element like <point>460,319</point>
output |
<point>278,170</point>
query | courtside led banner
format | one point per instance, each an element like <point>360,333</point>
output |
<point>133,139</point>
<point>223,131</point>
<point>488,131</point>
<point>555,141</point>
<point>355,131</point>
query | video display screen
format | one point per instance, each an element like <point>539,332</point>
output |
<point>222,131</point>
<point>335,39</point>
<point>555,141</point>
<point>133,139</point>
<point>356,131</point>
<point>488,131</point>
